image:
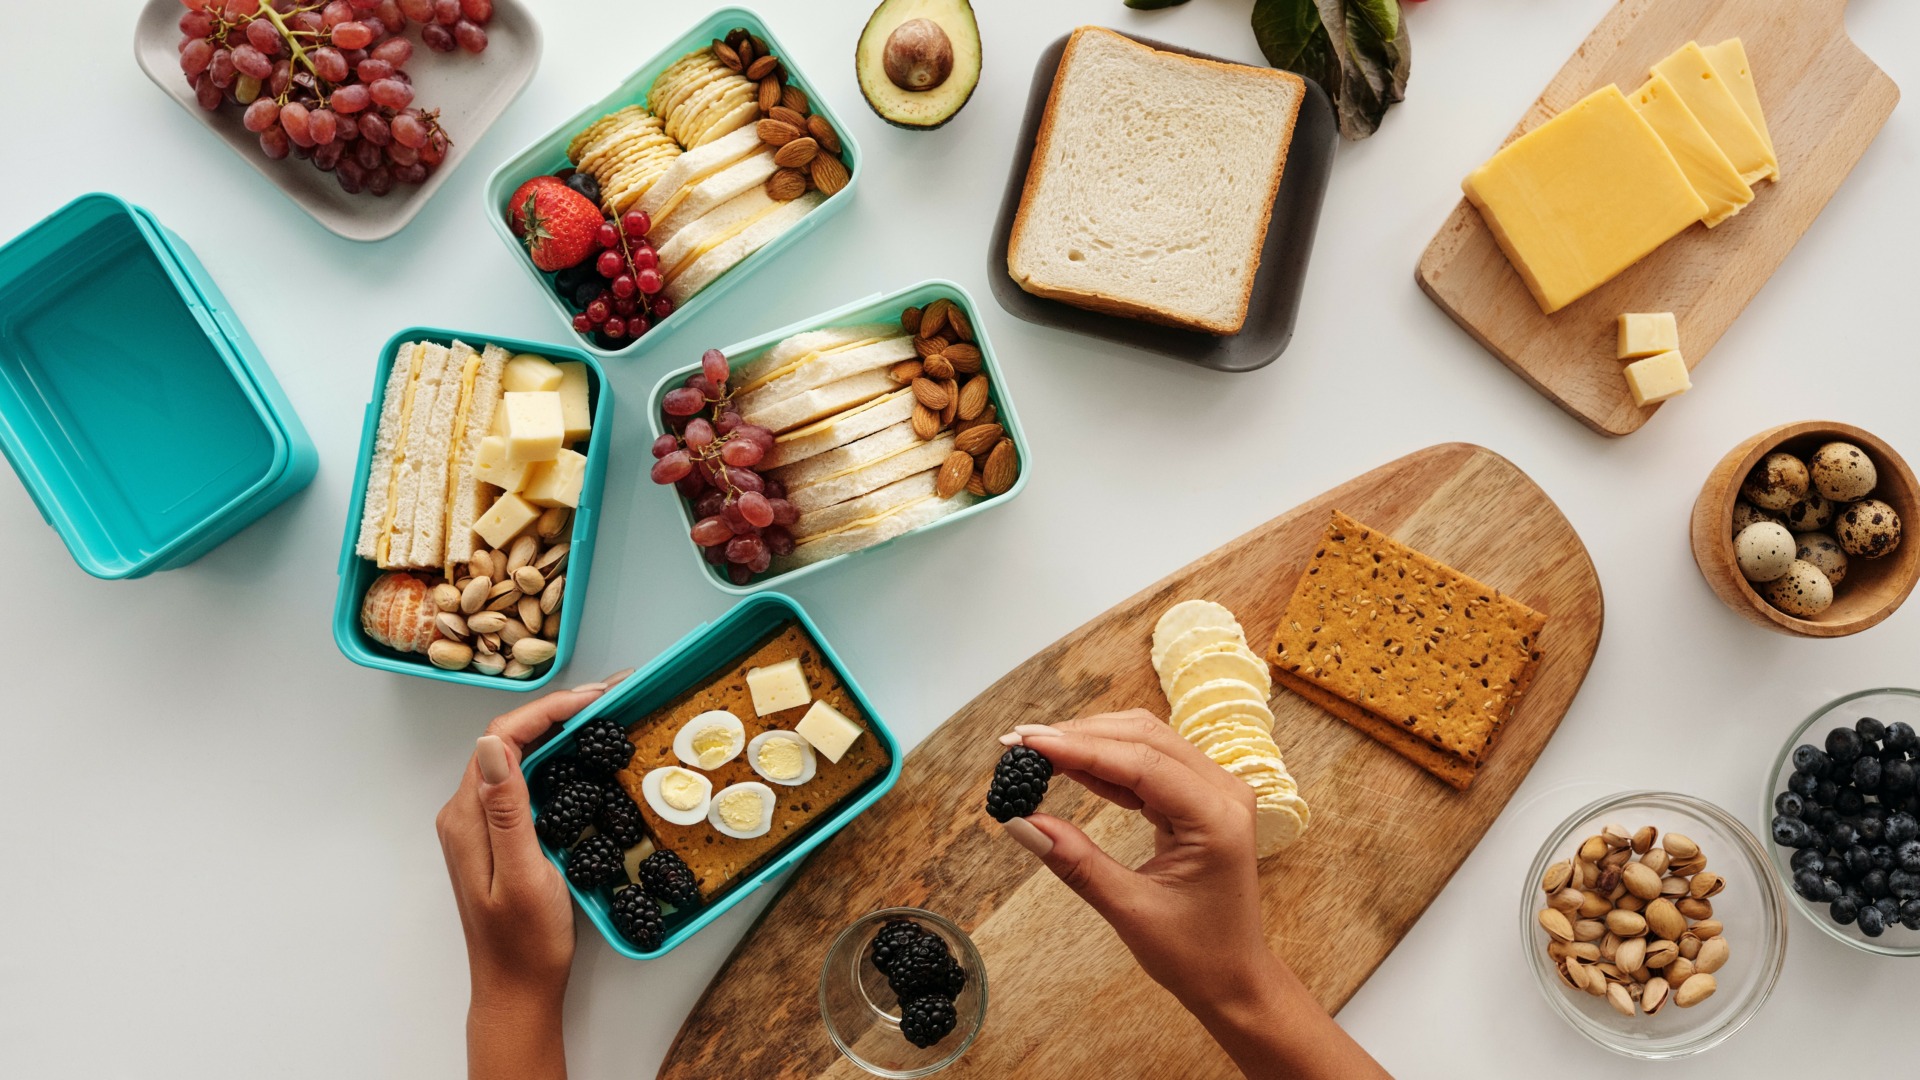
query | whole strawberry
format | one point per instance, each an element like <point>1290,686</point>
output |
<point>555,222</point>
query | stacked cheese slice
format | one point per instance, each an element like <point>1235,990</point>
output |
<point>1218,690</point>
<point>1577,200</point>
<point>844,448</point>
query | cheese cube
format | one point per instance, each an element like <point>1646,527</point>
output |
<point>1657,378</point>
<point>830,732</point>
<point>527,372</point>
<point>491,466</point>
<point>505,519</point>
<point>1645,335</point>
<point>557,482</point>
<point>777,687</point>
<point>575,412</point>
<point>535,427</point>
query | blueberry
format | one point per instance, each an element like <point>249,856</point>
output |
<point>1803,784</point>
<point>1807,858</point>
<point>1874,883</point>
<point>1843,835</point>
<point>584,294</point>
<point>1889,909</point>
<point>1910,914</point>
<point>1873,922</point>
<point>1896,778</point>
<point>1809,758</point>
<point>1807,884</point>
<point>1880,857</point>
<point>1873,827</point>
<point>1825,792</point>
<point>1849,801</point>
<point>1901,737</point>
<point>1907,855</point>
<point>1902,827</point>
<point>1857,860</point>
<point>1904,885</point>
<point>1792,832</point>
<point>1844,910</point>
<point>1822,818</point>
<point>585,184</point>
<point>1866,774</point>
<point>1843,745</point>
<point>1789,804</point>
<point>1869,729</point>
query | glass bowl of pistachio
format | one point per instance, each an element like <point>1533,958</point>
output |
<point>1654,924</point>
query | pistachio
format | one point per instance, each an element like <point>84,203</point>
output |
<point>1609,945</point>
<point>450,655</point>
<point>1585,950</point>
<point>1706,885</point>
<point>1628,902</point>
<point>1632,954</point>
<point>1660,953</point>
<point>1573,973</point>
<point>524,550</point>
<point>1621,1001</point>
<point>451,625</point>
<point>1596,981</point>
<point>487,663</point>
<point>506,600</point>
<point>517,670</point>
<point>1556,877</point>
<point>1713,955</point>
<point>1555,923</point>
<point>1640,880</point>
<point>530,580</point>
<point>487,622</point>
<point>1695,990</point>
<point>550,599</point>
<point>1616,837</point>
<point>553,523</point>
<point>1664,919</point>
<point>446,597</point>
<point>1611,971</point>
<point>1616,859</point>
<point>481,565</point>
<point>1679,971</point>
<point>530,613</point>
<point>512,632</point>
<point>1672,887</point>
<point>1566,900</point>
<point>1694,908</point>
<point>1626,923</point>
<point>1643,840</point>
<point>489,643</point>
<point>1653,995</point>
<point>1588,929</point>
<point>1588,874</point>
<point>1609,882</point>
<point>1680,847</point>
<point>474,596</point>
<point>553,560</point>
<point>1595,906</point>
<point>1707,928</point>
<point>1594,849</point>
<point>532,650</point>
<point>1655,860</point>
<point>1689,945</point>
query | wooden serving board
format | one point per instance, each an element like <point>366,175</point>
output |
<point>1824,102</point>
<point>1065,998</point>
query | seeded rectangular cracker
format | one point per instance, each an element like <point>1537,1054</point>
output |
<point>718,860</point>
<point>1423,658</point>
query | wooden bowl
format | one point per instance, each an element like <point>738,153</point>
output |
<point>1874,588</point>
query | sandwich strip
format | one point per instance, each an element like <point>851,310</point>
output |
<point>875,530</point>
<point>416,457</point>
<point>479,397</point>
<point>820,369</point>
<point>788,353</point>
<point>388,444</point>
<point>730,253</point>
<point>858,511</point>
<point>885,467</point>
<point>722,186</point>
<point>856,423</point>
<point>690,168</point>
<point>822,402</point>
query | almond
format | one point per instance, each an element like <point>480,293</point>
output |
<point>796,153</point>
<point>976,487</point>
<point>823,134</point>
<point>743,49</point>
<point>934,318</point>
<point>762,68</point>
<point>953,401</point>
<point>769,93</point>
<point>789,117</point>
<point>938,367</point>
<point>905,371</point>
<point>910,320</point>
<point>785,185</point>
<point>991,416</point>
<point>978,439</point>
<point>737,35</point>
<point>776,132</point>
<point>964,357</point>
<point>796,99</point>
<point>725,53</point>
<point>954,474</point>
<point>973,397</point>
<point>1003,466</point>
<point>829,175</point>
<point>928,346</point>
<point>930,393</point>
<point>962,326</point>
<point>926,422</point>
<point>760,47</point>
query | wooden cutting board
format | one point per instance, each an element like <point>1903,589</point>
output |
<point>1065,998</point>
<point>1824,102</point>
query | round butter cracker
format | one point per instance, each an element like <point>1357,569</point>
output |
<point>1192,641</point>
<point>1223,660</point>
<point>1188,615</point>
<point>1244,710</point>
<point>1213,693</point>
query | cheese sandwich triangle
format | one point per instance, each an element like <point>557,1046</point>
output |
<point>703,195</point>
<point>870,464</point>
<point>726,253</point>
<point>690,168</point>
<point>877,528</point>
<point>838,430</point>
<point>821,368</point>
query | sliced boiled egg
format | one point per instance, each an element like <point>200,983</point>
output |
<point>679,795</point>
<point>782,757</point>
<point>710,740</point>
<point>743,811</point>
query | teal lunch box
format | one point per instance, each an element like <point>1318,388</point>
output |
<point>872,309</point>
<point>697,657</point>
<point>356,574</point>
<point>143,450</point>
<point>549,155</point>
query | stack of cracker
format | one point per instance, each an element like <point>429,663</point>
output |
<point>1218,689</point>
<point>700,99</point>
<point>626,151</point>
<point>1410,651</point>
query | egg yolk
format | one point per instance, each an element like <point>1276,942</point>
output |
<point>741,810</point>
<point>781,759</point>
<point>712,746</point>
<point>680,789</point>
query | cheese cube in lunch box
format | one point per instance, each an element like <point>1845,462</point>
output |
<point>145,450</point>
<point>499,517</point>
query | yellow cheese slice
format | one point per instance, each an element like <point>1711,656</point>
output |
<point>1729,60</point>
<point>725,235</point>
<point>1713,177</point>
<point>383,552</point>
<point>1713,103</point>
<point>1582,197</point>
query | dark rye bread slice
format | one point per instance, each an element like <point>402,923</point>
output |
<point>1416,654</point>
<point>716,859</point>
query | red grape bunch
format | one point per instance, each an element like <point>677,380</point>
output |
<point>325,81</point>
<point>615,290</point>
<point>711,457</point>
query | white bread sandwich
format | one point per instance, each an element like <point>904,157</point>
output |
<point>706,193</point>
<point>862,466</point>
<point>840,429</point>
<point>902,515</point>
<point>787,353</point>
<point>1172,234</point>
<point>822,402</point>
<point>729,246</point>
<point>692,167</point>
<point>480,375</point>
<point>820,368</point>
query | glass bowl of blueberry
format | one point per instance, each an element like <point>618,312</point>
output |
<point>1843,814</point>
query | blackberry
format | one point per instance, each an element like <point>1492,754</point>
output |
<point>567,812</point>
<point>554,772</point>
<point>1019,783</point>
<point>927,1020</point>
<point>890,944</point>
<point>618,817</point>
<point>669,880</point>
<point>926,967</point>
<point>637,918</point>
<point>602,747</point>
<point>595,861</point>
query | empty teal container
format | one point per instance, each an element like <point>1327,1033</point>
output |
<point>133,405</point>
<point>697,657</point>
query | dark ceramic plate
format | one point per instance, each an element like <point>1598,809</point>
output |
<point>1283,259</point>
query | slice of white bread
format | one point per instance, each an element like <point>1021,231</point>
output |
<point>822,402</point>
<point>388,439</point>
<point>694,166</point>
<point>819,369</point>
<point>419,474</point>
<point>881,471</point>
<point>787,352</point>
<point>728,183</point>
<point>722,223</point>
<point>729,254</point>
<point>1152,183</point>
<point>896,522</point>
<point>837,430</point>
<point>874,503</point>
<point>466,498</point>
<point>429,525</point>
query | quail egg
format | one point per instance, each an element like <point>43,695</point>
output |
<point>1809,513</point>
<point>710,740</point>
<point>1824,552</point>
<point>1868,528</point>
<point>678,795</point>
<point>1802,591</point>
<point>743,811</point>
<point>1764,550</point>
<point>782,757</point>
<point>1842,472</point>
<point>1777,482</point>
<point>1745,514</point>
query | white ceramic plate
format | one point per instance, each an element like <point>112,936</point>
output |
<point>470,91</point>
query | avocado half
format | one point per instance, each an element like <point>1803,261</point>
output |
<point>918,61</point>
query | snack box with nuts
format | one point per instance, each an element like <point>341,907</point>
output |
<point>143,453</point>
<point>519,485</point>
<point>718,232</point>
<point>701,660</point>
<point>855,445</point>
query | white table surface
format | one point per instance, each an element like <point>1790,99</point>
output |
<point>219,833</point>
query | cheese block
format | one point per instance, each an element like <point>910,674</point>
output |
<point>557,482</point>
<point>1729,60</point>
<point>1713,177</point>
<point>1582,197</point>
<point>492,465</point>
<point>1713,103</point>
<point>527,372</point>
<point>828,730</point>
<point>778,687</point>
<point>1647,334</point>
<point>535,425</point>
<point>576,414</point>
<point>505,519</point>
<point>1657,378</point>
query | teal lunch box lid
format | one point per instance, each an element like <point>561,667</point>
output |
<point>877,308</point>
<point>705,652</point>
<point>549,155</point>
<point>143,451</point>
<point>356,574</point>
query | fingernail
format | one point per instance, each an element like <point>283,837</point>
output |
<point>617,676</point>
<point>492,755</point>
<point>1011,738</point>
<point>588,688</point>
<point>1036,729</point>
<point>1027,835</point>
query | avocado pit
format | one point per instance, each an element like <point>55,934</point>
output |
<point>918,55</point>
